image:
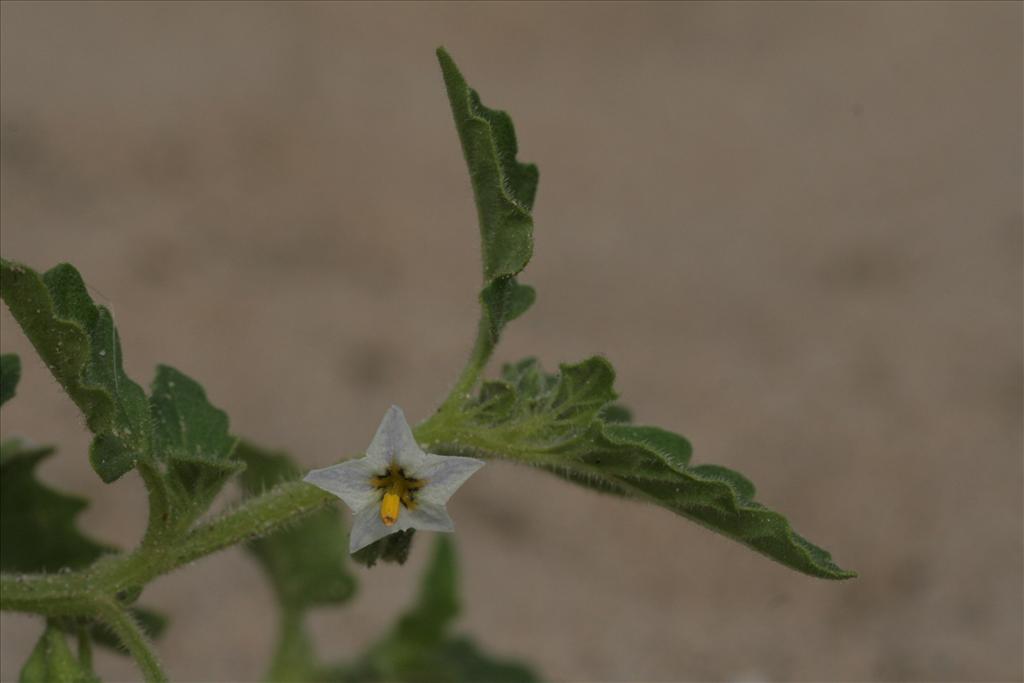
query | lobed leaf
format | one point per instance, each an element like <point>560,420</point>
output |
<point>420,647</point>
<point>10,373</point>
<point>502,301</point>
<point>79,344</point>
<point>190,436</point>
<point>37,524</point>
<point>186,427</point>
<point>179,439</point>
<point>51,661</point>
<point>503,190</point>
<point>38,533</point>
<point>561,423</point>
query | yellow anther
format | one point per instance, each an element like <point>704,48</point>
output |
<point>389,506</point>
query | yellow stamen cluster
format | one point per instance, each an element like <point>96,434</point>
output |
<point>398,491</point>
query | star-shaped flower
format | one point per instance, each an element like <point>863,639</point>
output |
<point>395,486</point>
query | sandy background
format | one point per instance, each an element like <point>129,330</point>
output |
<point>794,229</point>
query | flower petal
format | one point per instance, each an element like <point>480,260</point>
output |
<point>349,480</point>
<point>367,528</point>
<point>444,474</point>
<point>427,517</point>
<point>394,441</point>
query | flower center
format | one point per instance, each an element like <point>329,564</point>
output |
<point>398,491</point>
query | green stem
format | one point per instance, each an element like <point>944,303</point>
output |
<point>132,637</point>
<point>254,518</point>
<point>84,647</point>
<point>159,506</point>
<point>483,347</point>
<point>52,595</point>
<point>76,593</point>
<point>293,657</point>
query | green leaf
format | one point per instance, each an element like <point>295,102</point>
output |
<point>427,621</point>
<point>51,661</point>
<point>504,190</point>
<point>38,533</point>
<point>181,440</point>
<point>306,563</point>
<point>504,300</point>
<point>190,436</point>
<point>420,647</point>
<point>79,344</point>
<point>560,423</point>
<point>466,662</point>
<point>393,548</point>
<point>37,524</point>
<point>616,412</point>
<point>186,428</point>
<point>10,373</point>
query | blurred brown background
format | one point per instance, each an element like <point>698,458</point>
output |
<point>794,229</point>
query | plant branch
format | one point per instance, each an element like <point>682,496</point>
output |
<point>52,595</point>
<point>76,593</point>
<point>252,519</point>
<point>132,637</point>
<point>483,347</point>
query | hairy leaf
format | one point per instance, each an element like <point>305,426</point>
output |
<point>504,190</point>
<point>561,423</point>
<point>420,647</point>
<point>79,344</point>
<point>306,563</point>
<point>10,373</point>
<point>51,661</point>
<point>190,436</point>
<point>502,301</point>
<point>37,524</point>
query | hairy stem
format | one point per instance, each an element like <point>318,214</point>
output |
<point>254,518</point>
<point>76,593</point>
<point>132,637</point>
<point>483,347</point>
<point>52,595</point>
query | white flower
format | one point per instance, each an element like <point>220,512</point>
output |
<point>395,486</point>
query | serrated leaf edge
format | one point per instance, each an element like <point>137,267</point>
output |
<point>448,67</point>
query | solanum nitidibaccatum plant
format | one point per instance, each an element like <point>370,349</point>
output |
<point>568,423</point>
